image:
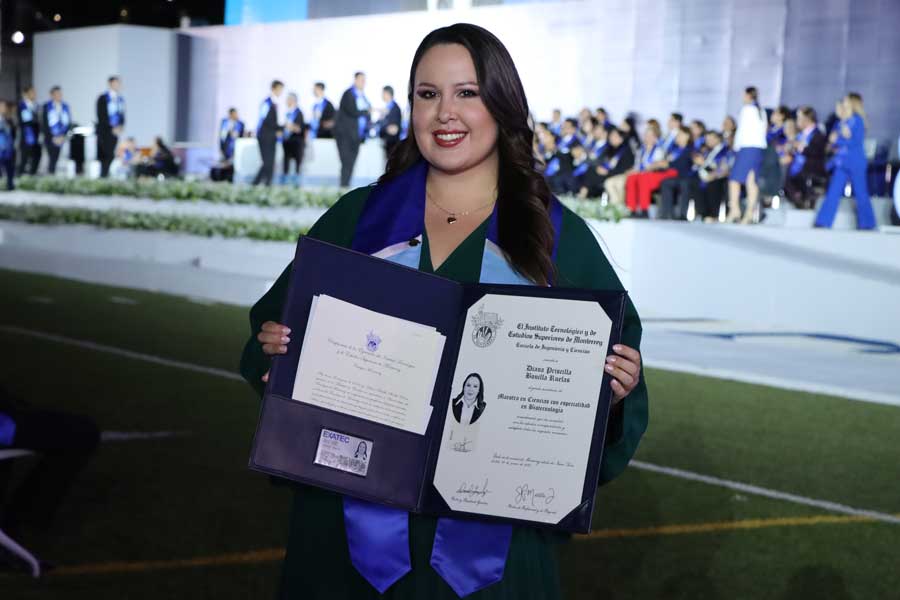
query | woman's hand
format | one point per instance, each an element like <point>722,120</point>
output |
<point>625,368</point>
<point>274,339</point>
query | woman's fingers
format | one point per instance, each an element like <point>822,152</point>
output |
<point>265,377</point>
<point>627,380</point>
<point>274,349</point>
<point>274,337</point>
<point>628,352</point>
<point>619,392</point>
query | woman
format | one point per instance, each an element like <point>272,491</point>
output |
<point>469,404</point>
<point>616,158</point>
<point>639,187</point>
<point>456,191</point>
<point>750,145</point>
<point>850,165</point>
<point>651,154</point>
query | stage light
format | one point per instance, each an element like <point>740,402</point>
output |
<point>123,13</point>
<point>57,18</point>
<point>18,37</point>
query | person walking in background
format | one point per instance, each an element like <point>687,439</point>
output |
<point>389,126</point>
<point>351,125</point>
<point>110,122</point>
<point>30,123</point>
<point>7,145</point>
<point>267,133</point>
<point>293,140</point>
<point>750,145</point>
<point>851,165</point>
<point>321,125</point>
<point>57,123</point>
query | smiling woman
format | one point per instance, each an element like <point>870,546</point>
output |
<point>461,198</point>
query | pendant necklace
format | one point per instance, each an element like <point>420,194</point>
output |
<point>453,217</point>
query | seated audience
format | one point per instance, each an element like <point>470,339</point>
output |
<point>698,134</point>
<point>651,153</point>
<point>807,169</point>
<point>161,162</point>
<point>676,120</point>
<point>675,191</point>
<point>616,159</point>
<point>712,176</point>
<point>729,127</point>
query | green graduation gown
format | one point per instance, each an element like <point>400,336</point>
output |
<point>317,564</point>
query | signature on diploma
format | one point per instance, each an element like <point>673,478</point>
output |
<point>525,494</point>
<point>462,446</point>
<point>473,489</point>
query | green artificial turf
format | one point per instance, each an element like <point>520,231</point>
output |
<point>192,495</point>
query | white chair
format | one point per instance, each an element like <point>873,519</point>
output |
<point>7,542</point>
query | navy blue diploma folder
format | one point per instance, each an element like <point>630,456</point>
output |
<point>402,466</point>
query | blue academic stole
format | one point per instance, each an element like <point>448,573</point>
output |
<point>553,166</point>
<point>115,107</point>
<point>361,104</point>
<point>469,555</point>
<point>614,159</point>
<point>647,156</point>
<point>225,130</point>
<point>58,120</point>
<point>598,148</point>
<point>28,120</point>
<point>580,169</point>
<point>800,159</point>
<point>6,140</point>
<point>566,143</point>
<point>264,109</point>
<point>289,118</point>
<point>318,109</point>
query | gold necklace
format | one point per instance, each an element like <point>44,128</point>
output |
<point>453,217</point>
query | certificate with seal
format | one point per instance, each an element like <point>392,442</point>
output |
<point>410,390</point>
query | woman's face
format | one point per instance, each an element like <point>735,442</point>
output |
<point>777,118</point>
<point>728,124</point>
<point>452,126</point>
<point>682,138</point>
<point>471,388</point>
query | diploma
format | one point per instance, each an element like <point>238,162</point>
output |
<point>524,399</point>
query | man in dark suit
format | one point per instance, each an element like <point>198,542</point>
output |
<point>321,125</point>
<point>110,122</point>
<point>350,125</point>
<point>57,121</point>
<point>30,123</point>
<point>807,168</point>
<point>294,137</point>
<point>267,133</point>
<point>389,126</point>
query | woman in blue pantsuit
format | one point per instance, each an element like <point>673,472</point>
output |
<point>850,166</point>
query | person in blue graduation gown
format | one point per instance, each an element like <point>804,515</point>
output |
<point>850,167</point>
<point>110,123</point>
<point>321,122</point>
<point>57,123</point>
<point>451,204</point>
<point>267,129</point>
<point>351,125</point>
<point>230,129</point>
<point>30,124</point>
<point>7,145</point>
<point>294,139</point>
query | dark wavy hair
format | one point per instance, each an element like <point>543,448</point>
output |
<point>523,197</point>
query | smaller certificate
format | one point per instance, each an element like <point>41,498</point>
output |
<point>468,400</point>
